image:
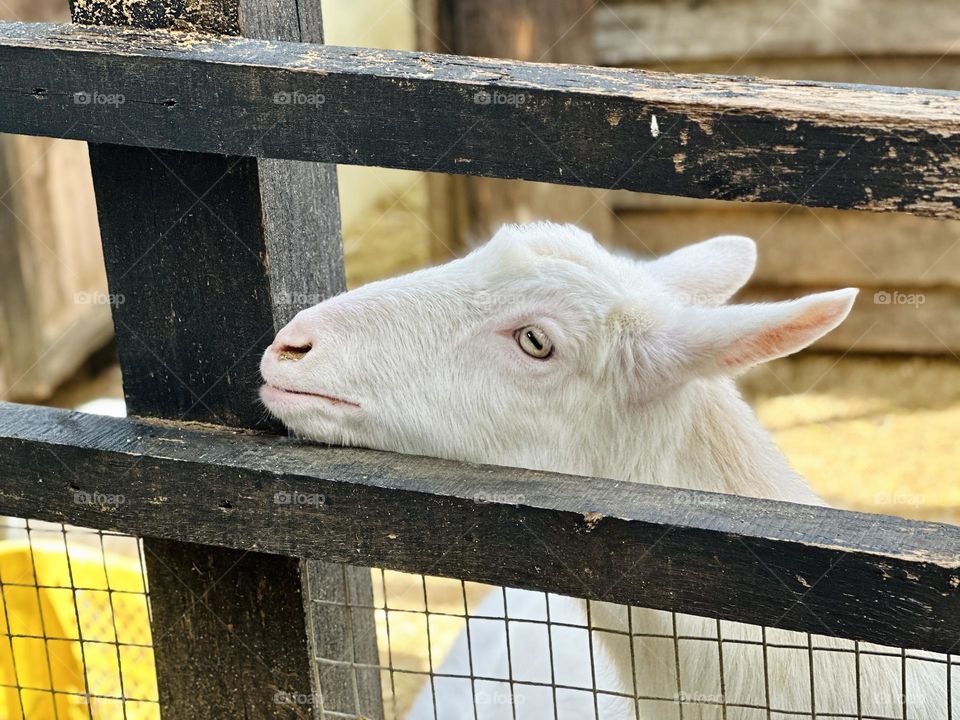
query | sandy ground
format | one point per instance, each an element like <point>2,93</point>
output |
<point>873,434</point>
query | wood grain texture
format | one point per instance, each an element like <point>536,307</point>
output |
<point>195,316</point>
<point>183,242</point>
<point>907,267</point>
<point>871,148</point>
<point>300,207</point>
<point>868,577</point>
<point>209,16</point>
<point>230,248</point>
<point>200,598</point>
<point>661,32</point>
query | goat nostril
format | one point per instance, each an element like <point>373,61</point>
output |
<point>292,352</point>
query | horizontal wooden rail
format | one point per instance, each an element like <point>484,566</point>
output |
<point>866,577</point>
<point>731,138</point>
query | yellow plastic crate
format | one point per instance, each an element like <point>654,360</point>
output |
<point>64,628</point>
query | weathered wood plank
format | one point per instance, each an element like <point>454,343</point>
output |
<point>188,334</point>
<point>205,603</point>
<point>661,32</point>
<point>872,148</point>
<point>300,204</point>
<point>907,268</point>
<point>233,246</point>
<point>180,231</point>
<point>868,577</point>
<point>196,312</point>
<point>186,355</point>
<point>211,16</point>
<point>803,246</point>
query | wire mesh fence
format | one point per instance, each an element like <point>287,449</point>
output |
<point>75,639</point>
<point>75,642</point>
<point>451,649</point>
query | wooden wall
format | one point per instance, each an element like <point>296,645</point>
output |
<point>54,307</point>
<point>908,267</point>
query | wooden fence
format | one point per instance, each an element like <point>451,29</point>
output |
<point>216,214</point>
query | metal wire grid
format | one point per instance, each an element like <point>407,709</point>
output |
<point>419,618</point>
<point>75,622</point>
<point>419,621</point>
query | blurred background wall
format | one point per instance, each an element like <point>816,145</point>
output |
<point>908,268</point>
<point>385,214</point>
<point>53,289</point>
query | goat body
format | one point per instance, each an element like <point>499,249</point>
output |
<point>542,350</point>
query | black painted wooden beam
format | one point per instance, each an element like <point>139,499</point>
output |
<point>210,254</point>
<point>733,138</point>
<point>867,577</point>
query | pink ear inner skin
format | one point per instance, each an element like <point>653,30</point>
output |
<point>785,338</point>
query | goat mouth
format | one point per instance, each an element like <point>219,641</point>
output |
<point>275,392</point>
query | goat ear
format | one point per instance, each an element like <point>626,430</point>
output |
<point>708,273</point>
<point>730,339</point>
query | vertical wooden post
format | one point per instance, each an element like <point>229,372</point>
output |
<point>465,210</point>
<point>211,255</point>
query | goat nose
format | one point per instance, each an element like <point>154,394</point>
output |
<point>293,352</point>
<point>292,343</point>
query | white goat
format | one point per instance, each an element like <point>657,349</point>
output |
<point>542,350</point>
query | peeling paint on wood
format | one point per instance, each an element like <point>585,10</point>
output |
<point>733,130</point>
<point>219,17</point>
<point>591,519</point>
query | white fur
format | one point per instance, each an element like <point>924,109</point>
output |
<point>639,388</point>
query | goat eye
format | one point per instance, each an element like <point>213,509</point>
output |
<point>534,342</point>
